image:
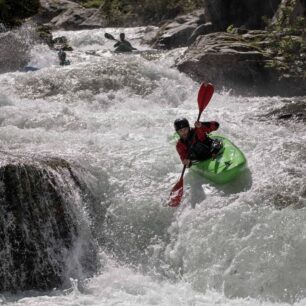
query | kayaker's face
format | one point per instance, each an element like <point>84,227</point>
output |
<point>183,132</point>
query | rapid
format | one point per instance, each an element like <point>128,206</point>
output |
<point>244,244</point>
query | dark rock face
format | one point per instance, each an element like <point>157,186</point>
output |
<point>45,237</point>
<point>12,11</point>
<point>231,61</point>
<point>239,12</point>
<point>298,9</point>
<point>215,16</point>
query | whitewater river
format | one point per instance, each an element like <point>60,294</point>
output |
<point>113,114</point>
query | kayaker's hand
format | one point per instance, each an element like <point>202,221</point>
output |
<point>197,124</point>
<point>187,163</point>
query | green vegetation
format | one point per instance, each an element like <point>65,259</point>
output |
<point>287,47</point>
<point>148,11</point>
<point>13,11</point>
<point>91,3</point>
<point>231,29</point>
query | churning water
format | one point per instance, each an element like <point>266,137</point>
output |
<point>114,113</point>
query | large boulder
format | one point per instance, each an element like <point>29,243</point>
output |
<point>68,15</point>
<point>180,31</point>
<point>45,232</point>
<point>231,61</point>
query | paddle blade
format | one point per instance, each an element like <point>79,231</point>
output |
<point>177,193</point>
<point>205,93</point>
<point>109,36</point>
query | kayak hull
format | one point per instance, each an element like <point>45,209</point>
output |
<point>227,165</point>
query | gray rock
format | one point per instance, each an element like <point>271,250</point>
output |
<point>50,9</point>
<point>42,223</point>
<point>68,15</point>
<point>291,110</point>
<point>203,29</point>
<point>177,33</point>
<point>229,61</point>
<point>73,19</point>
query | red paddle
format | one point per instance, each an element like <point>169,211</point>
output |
<point>205,93</point>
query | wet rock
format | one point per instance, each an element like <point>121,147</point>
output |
<point>61,42</point>
<point>45,236</point>
<point>45,34</point>
<point>203,29</point>
<point>13,51</point>
<point>291,110</point>
<point>178,32</point>
<point>233,62</point>
<point>68,15</point>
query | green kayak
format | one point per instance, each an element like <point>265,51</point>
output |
<point>227,165</point>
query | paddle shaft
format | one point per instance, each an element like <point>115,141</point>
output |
<point>181,180</point>
<point>109,36</point>
<point>204,96</point>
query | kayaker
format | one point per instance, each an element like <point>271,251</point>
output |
<point>123,45</point>
<point>62,57</point>
<point>194,144</point>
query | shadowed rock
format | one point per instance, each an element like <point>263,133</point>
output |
<point>239,12</point>
<point>46,211</point>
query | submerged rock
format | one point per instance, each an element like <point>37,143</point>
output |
<point>291,110</point>
<point>45,227</point>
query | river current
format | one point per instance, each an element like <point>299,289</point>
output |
<point>244,244</point>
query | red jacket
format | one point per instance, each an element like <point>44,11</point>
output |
<point>182,146</point>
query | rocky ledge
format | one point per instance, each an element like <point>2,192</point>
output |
<point>238,62</point>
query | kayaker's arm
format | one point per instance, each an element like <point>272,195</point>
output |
<point>210,126</point>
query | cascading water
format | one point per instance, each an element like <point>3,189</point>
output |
<point>113,114</point>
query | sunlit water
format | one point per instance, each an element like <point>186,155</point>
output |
<point>114,113</point>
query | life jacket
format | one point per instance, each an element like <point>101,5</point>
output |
<point>201,150</point>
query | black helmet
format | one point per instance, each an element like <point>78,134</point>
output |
<point>181,123</point>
